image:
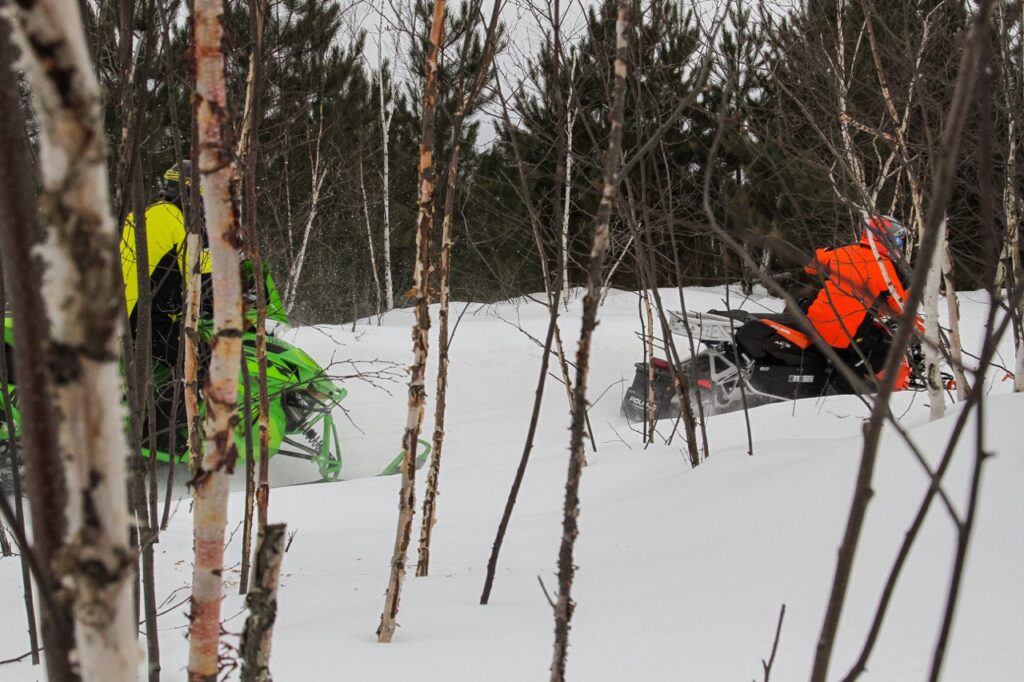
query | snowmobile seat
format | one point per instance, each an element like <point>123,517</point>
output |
<point>780,318</point>
<point>769,339</point>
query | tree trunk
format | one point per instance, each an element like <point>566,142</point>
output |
<point>43,467</point>
<point>570,120</point>
<point>385,127</point>
<point>941,190</point>
<point>262,604</point>
<point>466,100</point>
<point>420,333</point>
<point>437,443</point>
<point>84,306</point>
<point>144,408</point>
<point>564,606</point>
<point>249,144</point>
<point>652,407</point>
<point>317,176</point>
<point>1011,260</point>
<point>932,340</point>
<point>369,236</point>
<point>250,480</point>
<point>12,441</point>
<point>210,482</point>
<point>956,353</point>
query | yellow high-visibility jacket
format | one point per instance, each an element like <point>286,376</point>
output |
<point>165,240</point>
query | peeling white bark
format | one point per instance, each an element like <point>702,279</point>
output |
<point>210,482</point>
<point>83,303</point>
<point>385,127</point>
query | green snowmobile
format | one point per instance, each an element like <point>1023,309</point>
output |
<point>302,398</point>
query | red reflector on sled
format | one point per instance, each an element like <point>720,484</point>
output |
<point>659,363</point>
<point>704,383</point>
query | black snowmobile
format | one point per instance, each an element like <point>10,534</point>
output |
<point>759,358</point>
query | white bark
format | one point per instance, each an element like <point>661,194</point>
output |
<point>193,300</point>
<point>932,342</point>
<point>210,482</point>
<point>317,177</point>
<point>385,126</point>
<point>956,353</point>
<point>1011,197</point>
<point>369,236</point>
<point>568,182</point>
<point>84,308</point>
<point>420,334</point>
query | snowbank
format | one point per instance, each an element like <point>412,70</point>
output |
<point>682,573</point>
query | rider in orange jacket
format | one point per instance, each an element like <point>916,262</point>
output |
<point>860,286</point>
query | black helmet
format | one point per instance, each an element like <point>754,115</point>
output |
<point>887,230</point>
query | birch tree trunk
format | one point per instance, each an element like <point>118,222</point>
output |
<point>956,352</point>
<point>570,119</point>
<point>369,236</point>
<point>437,442</point>
<point>1011,259</point>
<point>262,604</point>
<point>194,292</point>
<point>385,127</point>
<point>1010,262</point>
<point>44,473</point>
<point>212,477</point>
<point>466,100</point>
<point>564,606</point>
<point>84,303</point>
<point>317,176</point>
<point>932,341</point>
<point>420,333</point>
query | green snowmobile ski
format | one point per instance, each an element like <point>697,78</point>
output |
<point>302,397</point>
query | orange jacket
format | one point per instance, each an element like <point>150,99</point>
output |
<point>853,286</point>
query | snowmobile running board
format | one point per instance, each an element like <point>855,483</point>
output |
<point>704,327</point>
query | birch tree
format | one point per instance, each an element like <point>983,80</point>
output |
<point>83,303</point>
<point>465,100</point>
<point>386,114</point>
<point>216,172</point>
<point>317,175</point>
<point>564,605</point>
<point>1013,98</point>
<point>44,473</point>
<point>569,124</point>
<point>420,332</point>
<point>369,235</point>
<point>17,214</point>
<point>262,604</point>
<point>942,182</point>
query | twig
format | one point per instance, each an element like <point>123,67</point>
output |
<point>551,602</point>
<point>18,659</point>
<point>775,646</point>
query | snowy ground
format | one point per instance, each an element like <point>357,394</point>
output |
<point>681,573</point>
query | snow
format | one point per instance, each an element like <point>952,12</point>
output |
<point>681,572</point>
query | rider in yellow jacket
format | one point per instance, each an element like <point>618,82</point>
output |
<point>166,261</point>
